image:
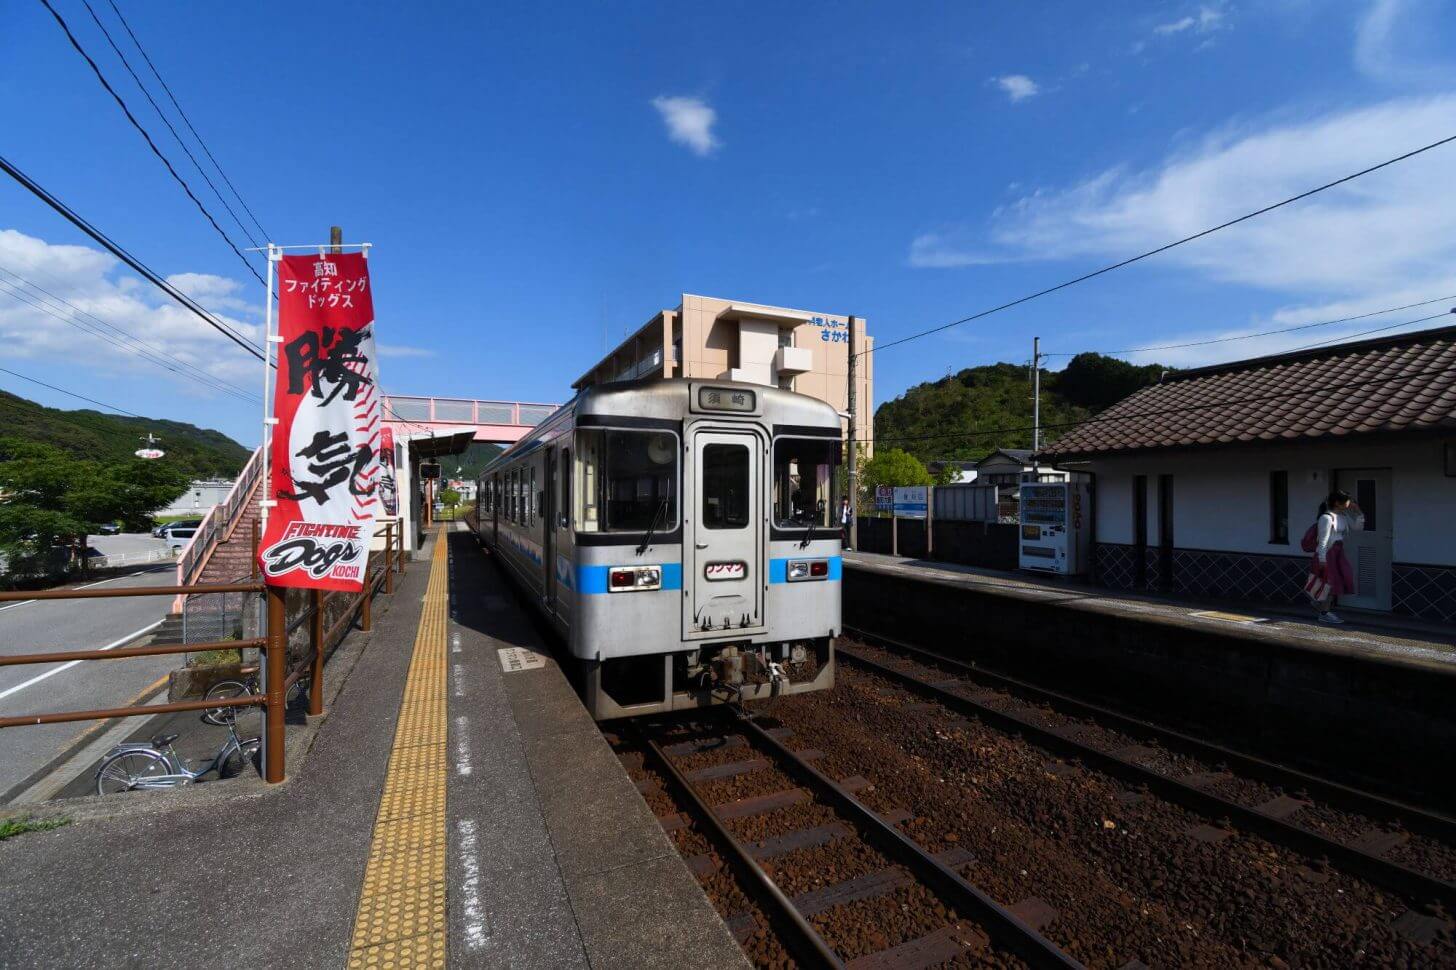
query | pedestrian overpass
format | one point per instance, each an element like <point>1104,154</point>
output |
<point>499,422</point>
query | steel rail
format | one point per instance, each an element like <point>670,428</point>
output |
<point>107,713</point>
<point>1412,817</point>
<point>1391,875</point>
<point>1004,927</point>
<point>804,941</point>
<point>158,650</point>
<point>123,591</point>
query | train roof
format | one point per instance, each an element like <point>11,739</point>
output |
<point>668,398</point>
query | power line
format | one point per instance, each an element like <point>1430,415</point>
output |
<point>1105,418</point>
<point>1164,248</point>
<point>187,121</point>
<point>79,397</point>
<point>1366,333</point>
<point>166,121</point>
<point>151,348</point>
<point>116,250</point>
<point>184,370</point>
<point>1269,333</point>
<point>148,138</point>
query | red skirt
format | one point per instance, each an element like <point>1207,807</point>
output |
<point>1337,570</point>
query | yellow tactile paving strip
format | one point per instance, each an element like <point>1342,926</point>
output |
<point>401,918</point>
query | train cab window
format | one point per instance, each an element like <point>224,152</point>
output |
<point>804,481</point>
<point>626,481</point>
<point>725,486</point>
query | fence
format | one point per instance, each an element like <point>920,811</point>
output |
<point>991,545</point>
<point>966,503</point>
<point>129,559</point>
<point>280,672</point>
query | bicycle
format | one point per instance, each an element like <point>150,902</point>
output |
<point>250,685</point>
<point>146,765</point>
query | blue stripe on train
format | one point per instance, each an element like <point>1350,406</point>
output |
<point>778,569</point>
<point>593,579</point>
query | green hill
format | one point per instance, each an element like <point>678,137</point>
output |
<point>200,452</point>
<point>970,414</point>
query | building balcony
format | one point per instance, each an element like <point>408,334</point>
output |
<point>793,360</point>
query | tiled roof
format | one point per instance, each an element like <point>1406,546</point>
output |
<point>1393,384</point>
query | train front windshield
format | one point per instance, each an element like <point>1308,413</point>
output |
<point>626,480</point>
<point>805,476</point>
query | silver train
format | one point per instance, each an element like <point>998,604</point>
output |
<point>682,537</point>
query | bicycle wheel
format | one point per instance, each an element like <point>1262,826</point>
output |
<point>224,690</point>
<point>122,771</point>
<point>247,754</point>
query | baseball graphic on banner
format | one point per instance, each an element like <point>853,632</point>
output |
<point>325,453</point>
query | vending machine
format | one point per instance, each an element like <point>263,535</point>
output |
<point>1056,527</point>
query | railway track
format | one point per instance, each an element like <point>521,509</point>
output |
<point>962,688</point>
<point>793,912</point>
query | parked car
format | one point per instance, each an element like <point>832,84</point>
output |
<point>178,538</point>
<point>109,529</point>
<point>162,531</point>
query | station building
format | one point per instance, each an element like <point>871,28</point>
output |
<point>1206,482</point>
<point>798,350</point>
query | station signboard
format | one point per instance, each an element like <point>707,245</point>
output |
<point>884,498</point>
<point>911,502</point>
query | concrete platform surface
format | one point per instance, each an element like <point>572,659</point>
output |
<point>550,857</point>
<point>1369,636</point>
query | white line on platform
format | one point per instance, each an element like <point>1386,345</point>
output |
<point>462,746</point>
<point>475,932</point>
<point>67,666</point>
<point>103,582</point>
<point>459,681</point>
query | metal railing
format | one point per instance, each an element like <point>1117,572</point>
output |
<point>278,674</point>
<point>451,410</point>
<point>219,522</point>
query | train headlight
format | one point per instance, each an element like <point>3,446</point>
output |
<point>630,579</point>
<point>806,569</point>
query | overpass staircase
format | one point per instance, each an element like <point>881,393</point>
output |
<point>221,551</point>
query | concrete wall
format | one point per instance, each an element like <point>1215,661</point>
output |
<point>1369,721</point>
<point>1221,496</point>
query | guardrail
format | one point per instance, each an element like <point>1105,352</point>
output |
<point>278,674</point>
<point>454,410</point>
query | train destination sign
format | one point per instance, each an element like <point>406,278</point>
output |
<point>725,399</point>
<point>324,473</point>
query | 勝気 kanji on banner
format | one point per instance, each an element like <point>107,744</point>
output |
<point>325,469</point>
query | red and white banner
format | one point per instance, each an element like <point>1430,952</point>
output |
<point>325,455</point>
<point>388,490</point>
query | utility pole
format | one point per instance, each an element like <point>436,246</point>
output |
<point>336,239</point>
<point>852,460</point>
<point>1035,398</point>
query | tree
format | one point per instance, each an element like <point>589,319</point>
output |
<point>449,497</point>
<point>893,466</point>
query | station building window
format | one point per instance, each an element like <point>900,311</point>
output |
<point>625,480</point>
<point>804,476</point>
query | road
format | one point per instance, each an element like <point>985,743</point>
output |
<point>39,625</point>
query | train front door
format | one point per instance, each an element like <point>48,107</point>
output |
<point>726,534</point>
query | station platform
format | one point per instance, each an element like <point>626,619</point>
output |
<point>455,806</point>
<point>1371,697</point>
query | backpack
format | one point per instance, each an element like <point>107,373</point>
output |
<point>1310,542</point>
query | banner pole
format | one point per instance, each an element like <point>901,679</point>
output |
<point>267,490</point>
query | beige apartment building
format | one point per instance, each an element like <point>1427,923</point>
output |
<point>798,350</point>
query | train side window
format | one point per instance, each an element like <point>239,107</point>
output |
<point>725,486</point>
<point>531,496</point>
<point>563,505</point>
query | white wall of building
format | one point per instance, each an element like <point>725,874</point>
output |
<point>1221,497</point>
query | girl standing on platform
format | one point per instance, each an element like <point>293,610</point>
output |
<point>1330,574</point>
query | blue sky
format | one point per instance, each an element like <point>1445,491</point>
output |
<point>538,180</point>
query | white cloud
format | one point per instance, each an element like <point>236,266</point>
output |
<point>88,280</point>
<point>1385,239</point>
<point>1018,87</point>
<point>689,122</point>
<point>1394,42</point>
<point>1206,21</point>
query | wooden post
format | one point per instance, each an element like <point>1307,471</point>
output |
<point>274,673</point>
<point>894,533</point>
<point>316,643</point>
<point>366,614</point>
<point>930,522</point>
<point>336,239</point>
<point>401,546</point>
